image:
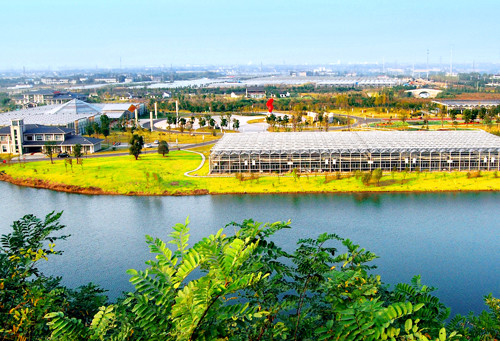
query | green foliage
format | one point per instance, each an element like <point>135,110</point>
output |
<point>485,326</point>
<point>136,143</point>
<point>77,151</point>
<point>295,174</point>
<point>89,129</point>
<point>163,148</point>
<point>377,175</point>
<point>26,295</point>
<point>238,286</point>
<point>49,149</point>
<point>434,313</point>
<point>366,178</point>
<point>105,121</point>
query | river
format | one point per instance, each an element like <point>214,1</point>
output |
<point>451,240</point>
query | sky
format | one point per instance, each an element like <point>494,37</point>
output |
<point>51,34</point>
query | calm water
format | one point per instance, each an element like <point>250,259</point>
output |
<point>452,240</point>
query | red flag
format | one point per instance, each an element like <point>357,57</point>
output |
<point>132,108</point>
<point>269,104</point>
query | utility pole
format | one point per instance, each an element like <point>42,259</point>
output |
<point>177,111</point>
<point>151,120</point>
<point>156,111</point>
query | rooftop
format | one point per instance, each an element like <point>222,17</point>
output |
<point>357,142</point>
<point>58,114</point>
<point>469,103</point>
<point>38,129</point>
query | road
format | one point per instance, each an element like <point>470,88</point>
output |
<point>245,127</point>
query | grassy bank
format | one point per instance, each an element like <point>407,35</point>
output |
<point>154,175</point>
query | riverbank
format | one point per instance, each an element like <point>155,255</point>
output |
<point>153,174</point>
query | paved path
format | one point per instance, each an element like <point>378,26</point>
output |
<point>188,173</point>
<point>92,156</point>
<point>245,127</point>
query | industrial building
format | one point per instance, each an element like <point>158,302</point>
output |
<point>358,150</point>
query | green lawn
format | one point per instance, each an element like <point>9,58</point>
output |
<point>153,174</point>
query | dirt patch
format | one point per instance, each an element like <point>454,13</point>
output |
<point>38,183</point>
<point>388,182</point>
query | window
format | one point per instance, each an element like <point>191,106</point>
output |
<point>39,137</point>
<point>28,137</point>
<point>3,138</point>
<point>59,137</point>
<point>49,137</point>
<point>4,149</point>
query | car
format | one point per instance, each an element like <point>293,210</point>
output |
<point>148,145</point>
<point>156,142</point>
<point>63,155</point>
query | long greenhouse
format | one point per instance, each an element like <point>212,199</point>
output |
<point>360,150</point>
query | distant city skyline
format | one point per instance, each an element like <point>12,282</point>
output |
<point>109,34</point>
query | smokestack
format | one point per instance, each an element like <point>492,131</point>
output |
<point>151,120</point>
<point>156,111</point>
<point>136,118</point>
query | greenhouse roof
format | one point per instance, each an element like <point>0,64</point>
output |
<point>60,114</point>
<point>357,142</point>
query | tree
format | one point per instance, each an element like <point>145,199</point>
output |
<point>377,175</point>
<point>223,122</point>
<point>26,294</point>
<point>236,124</point>
<point>105,125</point>
<point>320,120</point>
<point>49,149</point>
<point>404,117</point>
<point>163,148</point>
<point>182,122</point>
<point>96,128</point>
<point>271,120</point>
<point>77,152</point>
<point>136,144</point>
<point>89,129</point>
<point>442,115</point>
<point>286,120</point>
<point>170,121</point>
<point>247,288</point>
<point>467,116</point>
<point>212,123</point>
<point>202,122</point>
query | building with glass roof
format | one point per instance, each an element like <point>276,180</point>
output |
<point>467,104</point>
<point>358,150</point>
<point>75,114</point>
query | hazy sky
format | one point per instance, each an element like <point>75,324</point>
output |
<point>86,33</point>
